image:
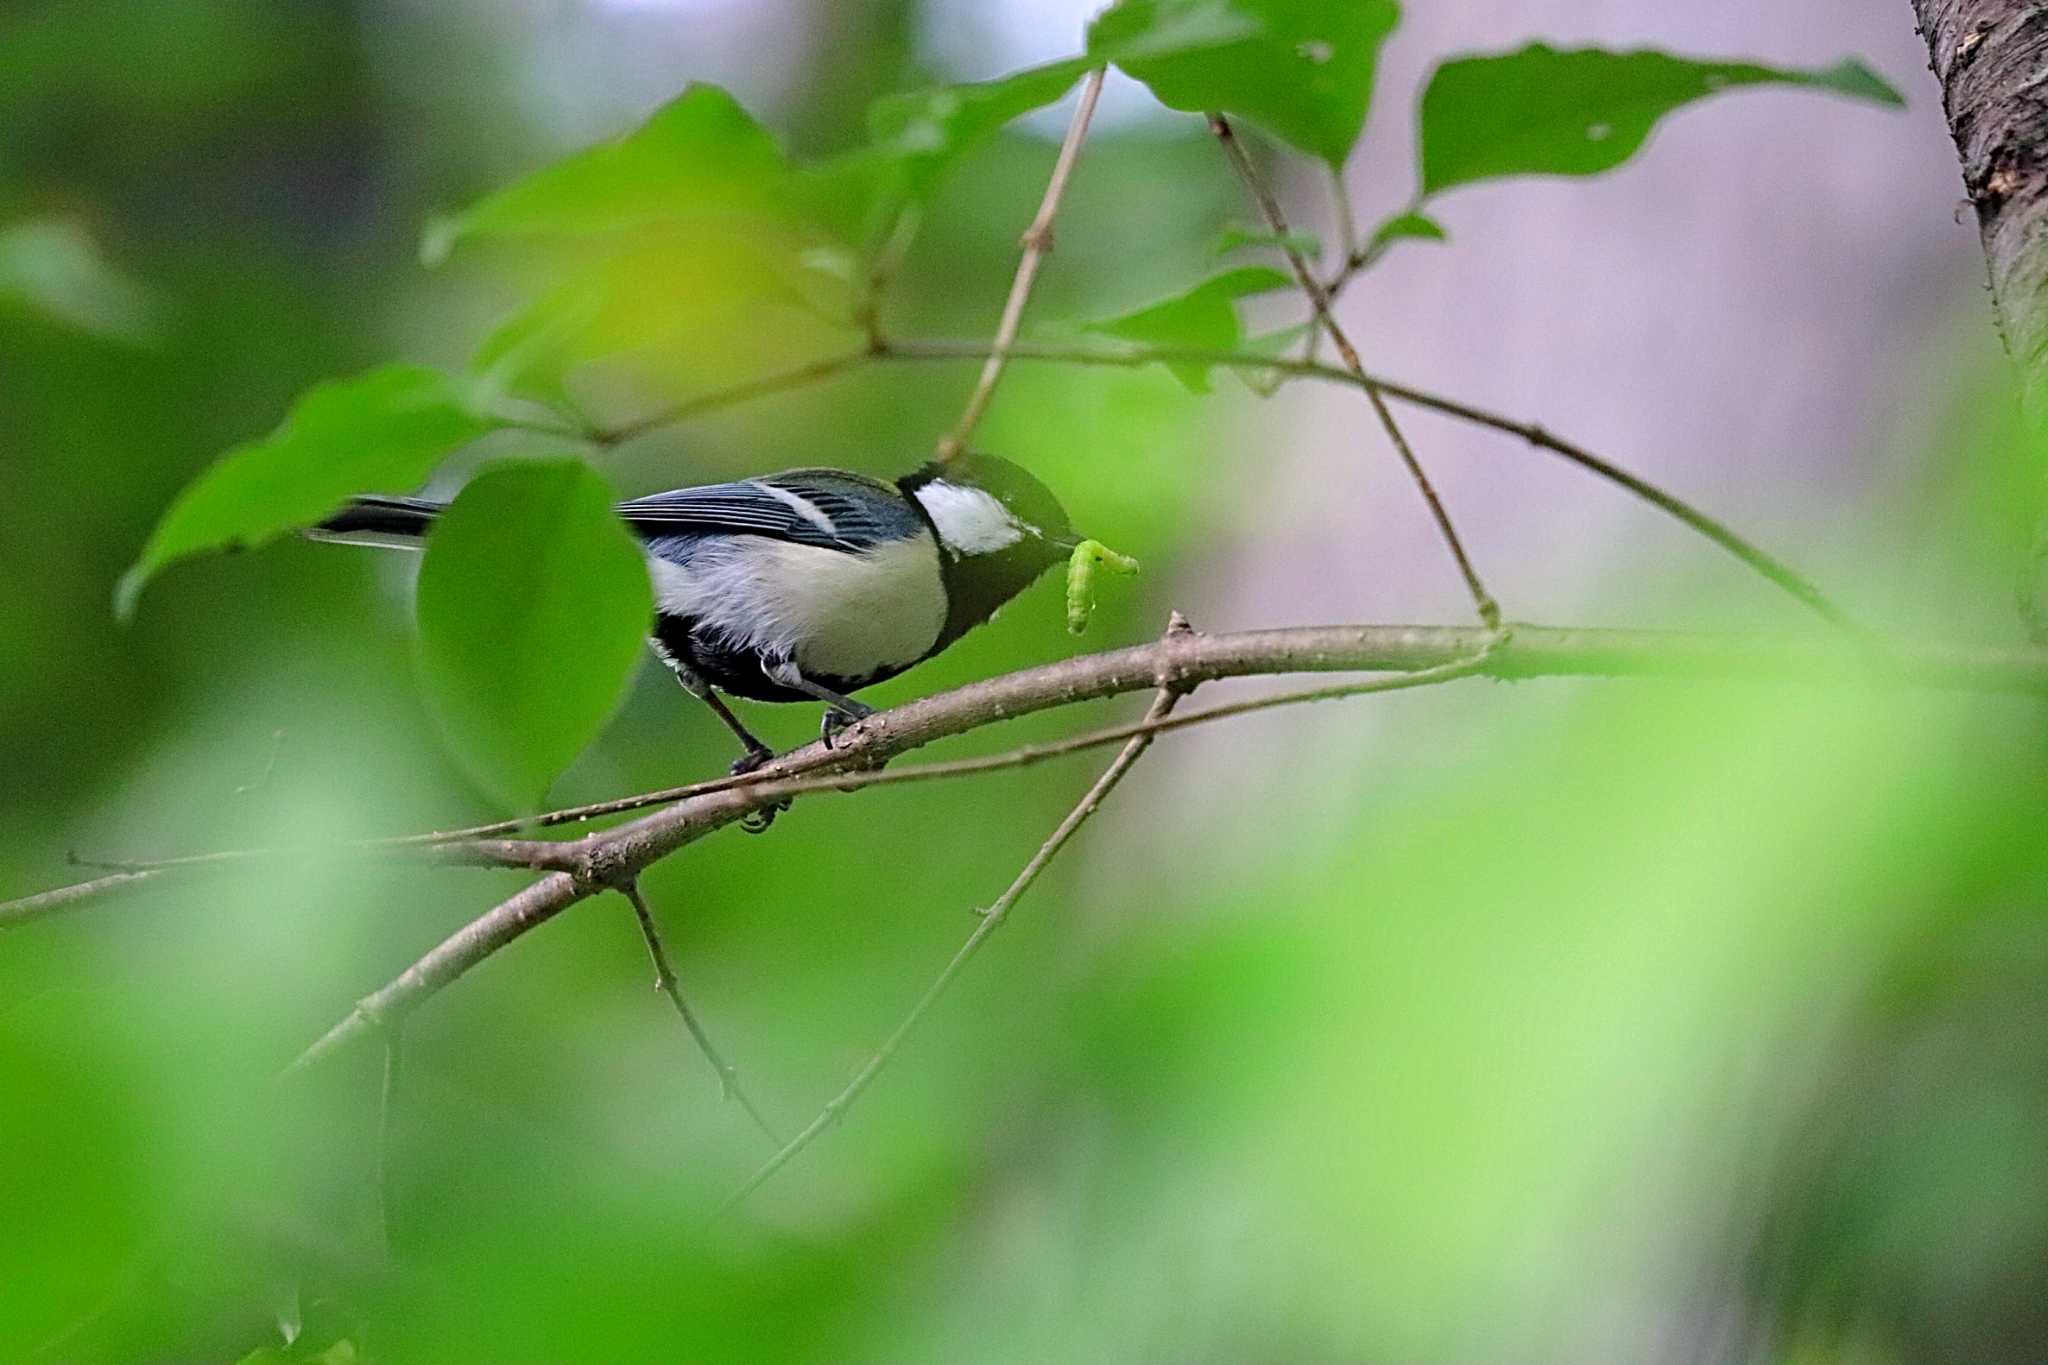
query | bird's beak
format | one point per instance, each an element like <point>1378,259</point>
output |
<point>1066,543</point>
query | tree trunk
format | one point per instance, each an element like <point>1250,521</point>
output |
<point>1991,57</point>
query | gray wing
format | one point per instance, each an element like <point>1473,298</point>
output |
<point>828,508</point>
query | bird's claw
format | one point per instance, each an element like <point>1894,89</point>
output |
<point>837,718</point>
<point>757,821</point>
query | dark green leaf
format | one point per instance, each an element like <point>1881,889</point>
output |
<point>1303,71</point>
<point>700,155</point>
<point>57,269</point>
<point>1205,317</point>
<point>1406,225</point>
<point>1231,239</point>
<point>534,606</point>
<point>1540,111</point>
<point>386,429</point>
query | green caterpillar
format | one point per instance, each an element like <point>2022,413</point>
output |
<point>1081,579</point>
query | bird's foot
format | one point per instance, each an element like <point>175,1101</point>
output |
<point>757,821</point>
<point>837,718</point>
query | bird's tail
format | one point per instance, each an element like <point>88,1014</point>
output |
<point>395,523</point>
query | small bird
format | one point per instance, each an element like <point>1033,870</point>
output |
<point>810,584</point>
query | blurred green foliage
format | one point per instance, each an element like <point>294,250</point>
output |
<point>1668,1014</point>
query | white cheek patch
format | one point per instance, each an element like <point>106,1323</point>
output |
<point>970,521</point>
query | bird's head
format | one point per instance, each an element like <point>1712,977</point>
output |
<point>998,529</point>
<point>981,505</point>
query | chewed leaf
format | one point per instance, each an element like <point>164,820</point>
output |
<point>534,605</point>
<point>384,430</point>
<point>1205,317</point>
<point>1301,69</point>
<point>1541,111</point>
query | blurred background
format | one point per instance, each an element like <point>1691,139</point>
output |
<point>1556,1022</point>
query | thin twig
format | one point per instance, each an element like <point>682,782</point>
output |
<point>1162,702</point>
<point>940,350</point>
<point>1362,257</point>
<point>665,982</point>
<point>1764,563</point>
<point>882,270</point>
<point>1037,242</point>
<point>1347,221</point>
<point>1319,299</point>
<point>781,381</point>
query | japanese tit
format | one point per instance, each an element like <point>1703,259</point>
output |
<point>811,584</point>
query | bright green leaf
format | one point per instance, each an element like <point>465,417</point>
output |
<point>700,155</point>
<point>1540,111</point>
<point>57,269</point>
<point>384,429</point>
<point>1204,317</point>
<point>1303,71</point>
<point>534,606</point>
<point>1231,239</point>
<point>1405,227</point>
<point>706,301</point>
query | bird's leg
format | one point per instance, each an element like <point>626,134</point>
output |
<point>757,753</point>
<point>840,710</point>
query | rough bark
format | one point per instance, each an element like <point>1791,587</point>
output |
<point>1991,57</point>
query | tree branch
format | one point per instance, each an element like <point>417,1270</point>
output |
<point>1037,243</point>
<point>1533,651</point>
<point>1319,299</point>
<point>1990,57</point>
<point>1430,654</point>
<point>992,919</point>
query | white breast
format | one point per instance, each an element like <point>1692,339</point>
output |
<point>837,615</point>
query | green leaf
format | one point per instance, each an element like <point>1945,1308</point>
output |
<point>56,268</point>
<point>1540,111</point>
<point>713,302</point>
<point>700,155</point>
<point>1205,317</point>
<point>534,607</point>
<point>1176,28</point>
<point>1234,238</point>
<point>384,429</point>
<point>926,131</point>
<point>1303,71</point>
<point>1402,226</point>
